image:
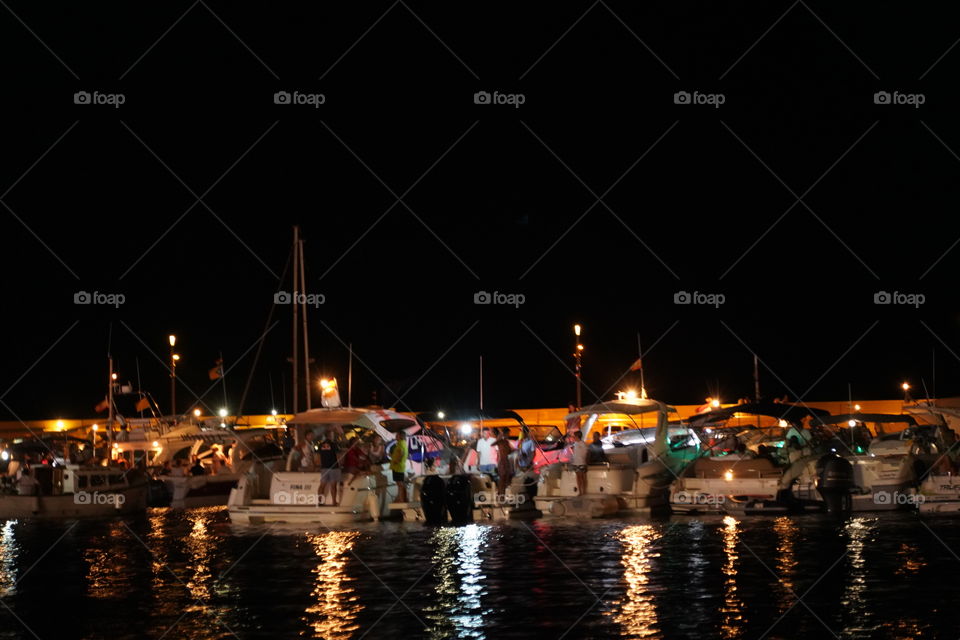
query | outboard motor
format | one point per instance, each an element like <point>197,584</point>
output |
<point>432,500</point>
<point>460,499</point>
<point>835,482</point>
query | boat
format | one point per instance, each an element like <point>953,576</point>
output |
<point>759,458</point>
<point>643,462</point>
<point>478,490</point>
<point>195,441</point>
<point>269,493</point>
<point>939,489</point>
<point>61,488</point>
<point>890,454</point>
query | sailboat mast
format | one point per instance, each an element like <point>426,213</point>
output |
<point>306,344</point>
<point>296,278</point>
<point>350,376</point>
<point>110,407</point>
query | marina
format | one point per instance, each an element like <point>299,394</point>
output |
<point>399,319</point>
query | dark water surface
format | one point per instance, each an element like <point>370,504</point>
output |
<point>192,574</point>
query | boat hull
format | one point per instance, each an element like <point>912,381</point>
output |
<point>71,506</point>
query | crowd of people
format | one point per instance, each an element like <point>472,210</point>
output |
<point>339,460</point>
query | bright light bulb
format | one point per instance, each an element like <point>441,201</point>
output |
<point>173,340</point>
<point>196,412</point>
<point>715,404</point>
<point>728,476</point>
<point>851,423</point>
<point>441,415</point>
<point>466,428</point>
<point>273,412</point>
<point>223,413</point>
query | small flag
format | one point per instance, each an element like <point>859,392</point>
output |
<point>637,365</point>
<point>103,406</point>
<point>143,404</point>
<point>217,371</point>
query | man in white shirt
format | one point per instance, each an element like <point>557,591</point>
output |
<point>485,450</point>
<point>580,462</point>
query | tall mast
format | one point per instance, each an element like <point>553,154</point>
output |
<point>306,343</point>
<point>110,408</point>
<point>350,377</point>
<point>296,280</point>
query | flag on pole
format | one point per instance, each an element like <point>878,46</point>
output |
<point>217,371</point>
<point>143,404</point>
<point>103,406</point>
<point>637,365</point>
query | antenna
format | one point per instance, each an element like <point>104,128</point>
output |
<point>350,376</point>
<point>643,386</point>
<point>306,344</point>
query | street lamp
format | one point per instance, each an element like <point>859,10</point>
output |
<point>578,358</point>
<point>173,376</point>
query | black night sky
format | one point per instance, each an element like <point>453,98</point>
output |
<point>597,199</point>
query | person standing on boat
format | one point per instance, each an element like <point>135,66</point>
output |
<point>485,446</point>
<point>398,465</point>
<point>305,453</point>
<point>595,452</point>
<point>572,423</point>
<point>580,462</point>
<point>525,450</point>
<point>329,468</point>
<point>27,485</point>
<point>504,468</point>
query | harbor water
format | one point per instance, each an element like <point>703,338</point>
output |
<point>192,574</point>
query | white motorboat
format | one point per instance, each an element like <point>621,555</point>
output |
<point>890,454</point>
<point>643,462</point>
<point>62,489</point>
<point>268,493</point>
<point>189,442</point>
<point>758,458</point>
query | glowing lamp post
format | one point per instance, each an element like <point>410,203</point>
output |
<point>578,359</point>
<point>173,376</point>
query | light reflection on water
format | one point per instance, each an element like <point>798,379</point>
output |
<point>197,576</point>
<point>458,611</point>
<point>732,611</point>
<point>334,615</point>
<point>637,615</point>
<point>8,556</point>
<point>786,562</point>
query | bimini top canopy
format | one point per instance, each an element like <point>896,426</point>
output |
<point>870,417</point>
<point>790,412</point>
<point>627,408</point>
<point>471,416</point>
<point>364,417</point>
